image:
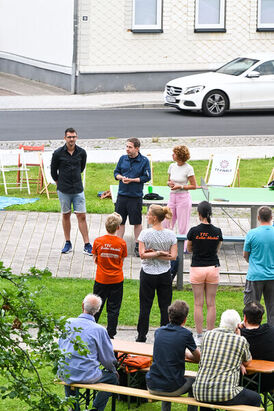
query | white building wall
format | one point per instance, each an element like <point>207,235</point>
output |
<point>37,32</point>
<point>106,43</point>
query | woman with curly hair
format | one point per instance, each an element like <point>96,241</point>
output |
<point>181,179</point>
<point>157,247</point>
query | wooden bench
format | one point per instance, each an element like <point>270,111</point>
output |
<point>181,238</point>
<point>136,392</point>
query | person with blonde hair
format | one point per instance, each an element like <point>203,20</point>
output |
<point>157,247</point>
<point>109,252</point>
<point>181,179</point>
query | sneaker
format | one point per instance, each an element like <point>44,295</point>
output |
<point>198,340</point>
<point>136,250</point>
<point>87,249</point>
<point>67,248</point>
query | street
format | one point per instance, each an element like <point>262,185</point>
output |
<point>123,123</point>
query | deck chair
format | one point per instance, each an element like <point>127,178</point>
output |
<point>150,182</point>
<point>271,177</point>
<point>222,170</point>
<point>45,162</point>
<point>9,164</point>
<point>32,159</point>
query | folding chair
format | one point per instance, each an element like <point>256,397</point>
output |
<point>222,170</point>
<point>9,163</point>
<point>45,162</point>
<point>150,182</point>
<point>271,177</point>
<point>32,159</point>
<point>149,156</point>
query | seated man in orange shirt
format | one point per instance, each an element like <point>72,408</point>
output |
<point>109,252</point>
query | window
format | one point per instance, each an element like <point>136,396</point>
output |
<point>147,16</point>
<point>210,15</point>
<point>265,15</point>
<point>237,67</point>
<point>266,69</point>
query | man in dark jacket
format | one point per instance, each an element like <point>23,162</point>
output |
<point>260,338</point>
<point>67,164</point>
<point>132,171</point>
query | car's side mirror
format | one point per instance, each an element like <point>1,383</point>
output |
<point>253,74</point>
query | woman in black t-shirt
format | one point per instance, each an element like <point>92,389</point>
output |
<point>204,241</point>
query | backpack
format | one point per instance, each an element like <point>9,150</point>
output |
<point>133,363</point>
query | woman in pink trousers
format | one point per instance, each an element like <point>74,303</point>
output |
<point>181,179</point>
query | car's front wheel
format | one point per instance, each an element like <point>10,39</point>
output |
<point>215,103</point>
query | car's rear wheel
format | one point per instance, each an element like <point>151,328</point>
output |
<point>215,103</point>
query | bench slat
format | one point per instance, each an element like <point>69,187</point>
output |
<point>136,392</point>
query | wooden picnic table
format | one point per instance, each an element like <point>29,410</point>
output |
<point>132,347</point>
<point>261,366</point>
<point>254,369</point>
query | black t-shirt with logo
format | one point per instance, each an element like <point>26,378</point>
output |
<point>205,239</point>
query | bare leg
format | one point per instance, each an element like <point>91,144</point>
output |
<point>137,230</point>
<point>82,224</point>
<point>66,225</point>
<point>121,231</point>
<point>210,295</point>
<point>198,291</point>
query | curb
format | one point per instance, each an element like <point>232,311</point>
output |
<point>132,105</point>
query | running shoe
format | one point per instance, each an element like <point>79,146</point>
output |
<point>87,249</point>
<point>67,248</point>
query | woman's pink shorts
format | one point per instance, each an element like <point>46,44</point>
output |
<point>209,275</point>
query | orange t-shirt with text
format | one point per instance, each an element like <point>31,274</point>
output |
<point>110,251</point>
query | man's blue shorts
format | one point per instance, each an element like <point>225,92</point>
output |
<point>77,200</point>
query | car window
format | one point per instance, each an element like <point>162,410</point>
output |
<point>266,68</point>
<point>237,66</point>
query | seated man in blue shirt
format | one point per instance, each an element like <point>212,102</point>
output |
<point>167,373</point>
<point>79,368</point>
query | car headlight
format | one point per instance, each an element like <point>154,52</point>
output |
<point>193,89</point>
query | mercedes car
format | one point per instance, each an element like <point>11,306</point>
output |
<point>244,83</point>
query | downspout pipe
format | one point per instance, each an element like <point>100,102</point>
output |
<point>73,84</point>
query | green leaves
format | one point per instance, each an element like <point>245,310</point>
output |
<point>28,343</point>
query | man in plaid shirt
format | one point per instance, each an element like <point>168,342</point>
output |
<point>223,353</point>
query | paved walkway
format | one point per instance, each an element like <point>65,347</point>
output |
<point>35,239</point>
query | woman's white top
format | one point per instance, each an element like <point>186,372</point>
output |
<point>158,240</point>
<point>180,174</point>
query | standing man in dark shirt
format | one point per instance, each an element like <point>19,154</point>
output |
<point>132,171</point>
<point>67,164</point>
<point>260,338</point>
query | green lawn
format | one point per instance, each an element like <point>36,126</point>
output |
<point>253,173</point>
<point>64,297</point>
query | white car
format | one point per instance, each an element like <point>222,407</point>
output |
<point>243,83</point>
